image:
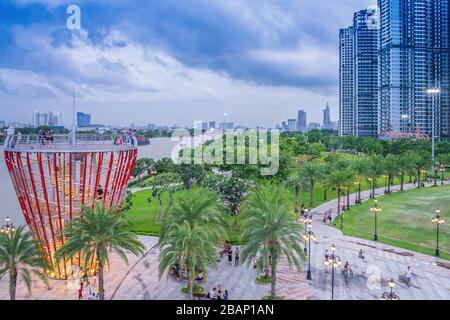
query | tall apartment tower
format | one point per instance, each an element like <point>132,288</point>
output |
<point>414,56</point>
<point>301,121</point>
<point>346,78</point>
<point>366,43</point>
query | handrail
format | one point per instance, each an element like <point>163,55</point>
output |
<point>64,141</point>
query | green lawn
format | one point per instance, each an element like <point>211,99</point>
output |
<point>405,220</point>
<point>143,217</point>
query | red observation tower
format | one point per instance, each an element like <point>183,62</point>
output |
<point>54,177</point>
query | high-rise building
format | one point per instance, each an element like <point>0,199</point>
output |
<point>212,125</point>
<point>301,120</point>
<point>346,78</point>
<point>292,125</point>
<point>2,124</point>
<point>83,120</point>
<point>414,56</point>
<point>366,43</point>
<point>313,125</point>
<point>326,117</point>
<point>50,119</point>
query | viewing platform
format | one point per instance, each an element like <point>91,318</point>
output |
<point>68,143</point>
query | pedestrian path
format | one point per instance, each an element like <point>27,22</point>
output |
<point>382,262</point>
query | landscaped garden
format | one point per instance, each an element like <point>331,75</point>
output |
<point>405,220</point>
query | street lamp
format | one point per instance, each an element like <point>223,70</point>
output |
<point>375,209</point>
<point>371,189</point>
<point>341,214</point>
<point>335,262</point>
<point>306,218</point>
<point>224,121</point>
<point>8,227</point>
<point>433,92</point>
<point>442,169</point>
<point>390,295</point>
<point>308,237</point>
<point>437,219</point>
<point>385,183</point>
<point>357,199</point>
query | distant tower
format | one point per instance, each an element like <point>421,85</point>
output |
<point>326,117</point>
<point>301,121</point>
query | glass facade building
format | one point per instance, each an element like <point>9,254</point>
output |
<point>346,78</point>
<point>414,56</point>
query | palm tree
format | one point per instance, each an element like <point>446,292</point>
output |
<point>404,164</point>
<point>360,168</point>
<point>443,160</point>
<point>312,172</point>
<point>376,169</point>
<point>195,226</point>
<point>297,183</point>
<point>391,168</point>
<point>270,229</point>
<point>199,207</point>
<point>20,256</point>
<point>340,179</point>
<point>421,163</point>
<point>326,169</point>
<point>189,247</point>
<point>98,230</point>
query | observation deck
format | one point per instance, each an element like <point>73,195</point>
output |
<point>69,143</point>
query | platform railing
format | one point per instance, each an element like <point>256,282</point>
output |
<point>65,141</point>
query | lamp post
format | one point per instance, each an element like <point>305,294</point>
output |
<point>335,262</point>
<point>341,214</point>
<point>357,184</point>
<point>224,121</point>
<point>375,209</point>
<point>442,169</point>
<point>306,218</point>
<point>371,189</point>
<point>437,220</point>
<point>433,92</point>
<point>385,183</point>
<point>390,295</point>
<point>308,237</point>
<point>8,227</point>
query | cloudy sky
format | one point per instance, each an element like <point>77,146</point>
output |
<point>172,61</point>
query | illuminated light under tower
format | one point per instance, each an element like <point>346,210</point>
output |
<point>54,180</point>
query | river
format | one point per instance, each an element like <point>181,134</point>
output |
<point>9,206</point>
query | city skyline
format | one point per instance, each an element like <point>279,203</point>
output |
<point>286,60</point>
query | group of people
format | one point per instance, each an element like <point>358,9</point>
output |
<point>46,137</point>
<point>129,139</point>
<point>327,218</point>
<point>228,250</point>
<point>218,293</point>
<point>85,284</point>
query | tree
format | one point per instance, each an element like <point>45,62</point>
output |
<point>190,248</point>
<point>20,255</point>
<point>296,182</point>
<point>98,230</point>
<point>315,149</point>
<point>340,179</point>
<point>190,173</point>
<point>232,191</point>
<point>376,169</point>
<point>405,164</point>
<point>166,183</point>
<point>270,229</point>
<point>421,164</point>
<point>195,227</point>
<point>391,168</point>
<point>143,165</point>
<point>165,165</point>
<point>360,168</point>
<point>311,172</point>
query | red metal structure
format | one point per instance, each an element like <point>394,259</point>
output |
<point>54,178</point>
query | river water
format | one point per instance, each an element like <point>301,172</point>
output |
<point>9,206</point>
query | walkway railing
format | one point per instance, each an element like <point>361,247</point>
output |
<point>67,142</point>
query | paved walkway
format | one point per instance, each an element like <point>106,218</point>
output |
<point>139,280</point>
<point>381,263</point>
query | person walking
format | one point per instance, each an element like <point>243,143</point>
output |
<point>230,256</point>
<point>236,257</point>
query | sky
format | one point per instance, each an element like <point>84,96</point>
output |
<point>173,61</point>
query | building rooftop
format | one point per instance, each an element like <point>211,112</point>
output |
<point>68,143</point>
